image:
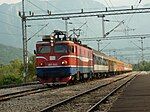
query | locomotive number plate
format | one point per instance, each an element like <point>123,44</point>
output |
<point>52,57</point>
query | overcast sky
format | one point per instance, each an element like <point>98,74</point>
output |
<point>106,2</point>
<point>9,1</point>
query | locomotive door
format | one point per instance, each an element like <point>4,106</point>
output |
<point>79,62</point>
<point>77,59</point>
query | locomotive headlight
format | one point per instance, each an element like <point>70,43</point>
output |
<point>41,64</point>
<point>64,62</point>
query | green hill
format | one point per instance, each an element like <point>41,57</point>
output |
<point>8,53</point>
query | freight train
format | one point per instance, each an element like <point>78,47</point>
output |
<point>62,60</point>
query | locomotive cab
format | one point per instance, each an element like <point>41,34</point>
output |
<point>53,59</point>
<point>54,55</point>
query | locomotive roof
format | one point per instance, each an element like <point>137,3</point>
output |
<point>64,41</point>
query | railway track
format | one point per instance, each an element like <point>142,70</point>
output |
<point>9,96</point>
<point>95,107</point>
<point>23,90</point>
<point>18,85</point>
<point>135,98</point>
<point>76,103</point>
<point>20,88</point>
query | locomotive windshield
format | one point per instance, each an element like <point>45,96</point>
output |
<point>44,49</point>
<point>57,48</point>
<point>60,49</point>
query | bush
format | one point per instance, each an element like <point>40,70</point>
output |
<point>10,79</point>
<point>142,66</point>
<point>12,73</point>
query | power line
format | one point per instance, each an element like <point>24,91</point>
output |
<point>113,8</point>
<point>111,3</point>
<point>116,37</point>
<point>36,6</point>
<point>126,49</point>
<point>72,22</point>
<point>43,18</point>
<point>11,25</point>
<point>7,14</point>
<point>133,54</point>
<point>37,32</point>
<point>107,4</point>
<point>88,14</point>
<point>110,7</point>
<point>138,3</point>
<point>53,6</point>
<point>9,34</point>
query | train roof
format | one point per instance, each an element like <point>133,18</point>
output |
<point>98,53</point>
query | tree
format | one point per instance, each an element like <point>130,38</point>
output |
<point>31,71</point>
<point>142,66</point>
<point>13,72</point>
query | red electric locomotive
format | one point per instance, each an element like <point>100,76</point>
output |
<point>62,60</point>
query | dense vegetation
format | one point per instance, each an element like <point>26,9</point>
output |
<point>13,72</point>
<point>142,66</point>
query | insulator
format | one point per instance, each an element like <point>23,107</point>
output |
<point>81,10</point>
<point>49,12</point>
<point>19,13</point>
<point>106,9</point>
<point>30,13</point>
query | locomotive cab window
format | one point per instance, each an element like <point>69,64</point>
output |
<point>60,49</point>
<point>43,49</point>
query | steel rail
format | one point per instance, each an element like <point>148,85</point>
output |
<point>49,108</point>
<point>18,85</point>
<point>9,96</point>
<point>108,95</point>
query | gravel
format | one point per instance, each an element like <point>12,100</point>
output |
<point>83,103</point>
<point>18,89</point>
<point>36,102</point>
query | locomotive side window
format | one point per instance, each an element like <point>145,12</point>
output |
<point>96,60</point>
<point>105,62</point>
<point>43,49</point>
<point>89,55</point>
<point>71,49</point>
<point>60,49</point>
<point>80,52</point>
